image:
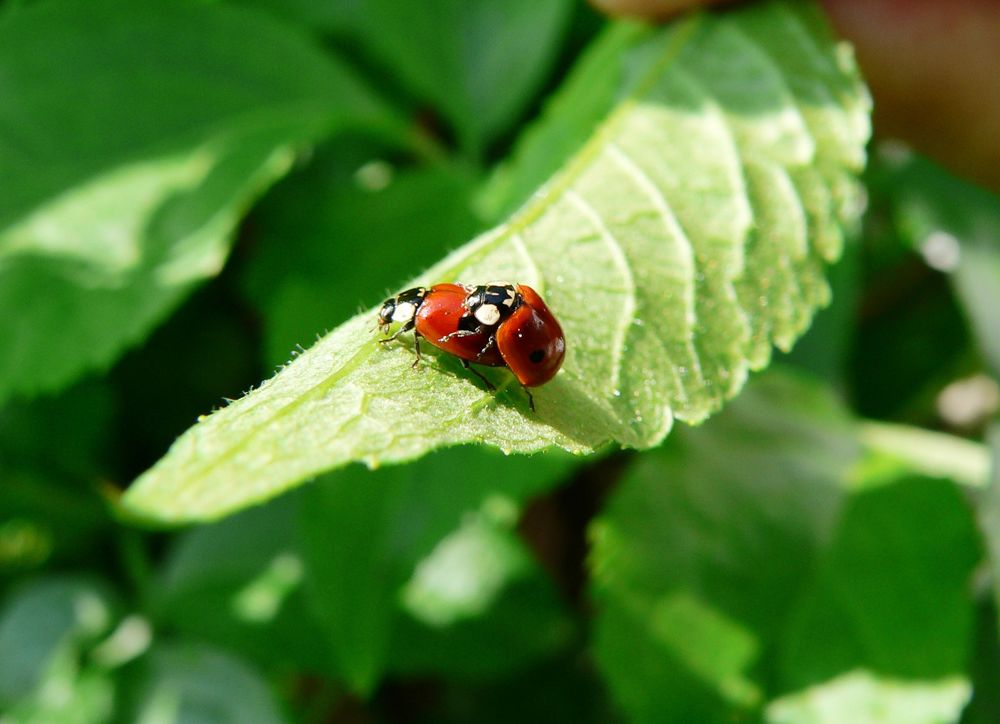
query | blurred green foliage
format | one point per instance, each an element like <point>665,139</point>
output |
<point>770,565</point>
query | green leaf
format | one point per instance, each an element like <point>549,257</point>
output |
<point>892,594</point>
<point>50,504</point>
<point>238,584</point>
<point>464,573</point>
<point>524,622</point>
<point>195,683</point>
<point>977,281</point>
<point>138,136</point>
<point>588,95</point>
<point>341,16</point>
<point>478,605</point>
<point>477,62</point>
<point>988,511</point>
<point>956,226</point>
<point>43,629</point>
<point>684,238</point>
<point>862,697</point>
<point>363,534</point>
<point>701,552</point>
<point>81,697</point>
<point>883,633</point>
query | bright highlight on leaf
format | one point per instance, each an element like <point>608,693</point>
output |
<point>133,138</point>
<point>687,236</point>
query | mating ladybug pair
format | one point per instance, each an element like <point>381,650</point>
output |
<point>496,324</point>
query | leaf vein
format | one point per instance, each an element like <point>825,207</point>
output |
<point>538,279</point>
<point>662,207</point>
<point>625,269</point>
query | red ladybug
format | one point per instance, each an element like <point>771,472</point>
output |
<point>496,324</point>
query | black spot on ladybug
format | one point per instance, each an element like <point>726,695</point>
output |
<point>537,355</point>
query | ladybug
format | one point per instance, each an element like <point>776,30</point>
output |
<point>496,324</point>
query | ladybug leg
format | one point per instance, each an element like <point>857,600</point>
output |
<point>416,340</point>
<point>477,373</point>
<point>459,333</point>
<point>416,348</point>
<point>531,399</point>
<point>405,328</point>
<point>489,343</point>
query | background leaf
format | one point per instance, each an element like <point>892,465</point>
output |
<point>867,698</point>
<point>953,223</point>
<point>869,607</point>
<point>871,638</point>
<point>138,144</point>
<point>989,521</point>
<point>44,630</point>
<point>358,559</point>
<point>196,683</point>
<point>50,507</point>
<point>783,570</point>
<point>569,118</point>
<point>701,554</point>
<point>478,63</point>
<point>676,246</point>
<point>238,584</point>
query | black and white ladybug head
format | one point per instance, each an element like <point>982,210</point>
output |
<point>386,312</point>
<point>492,303</point>
<point>401,308</point>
